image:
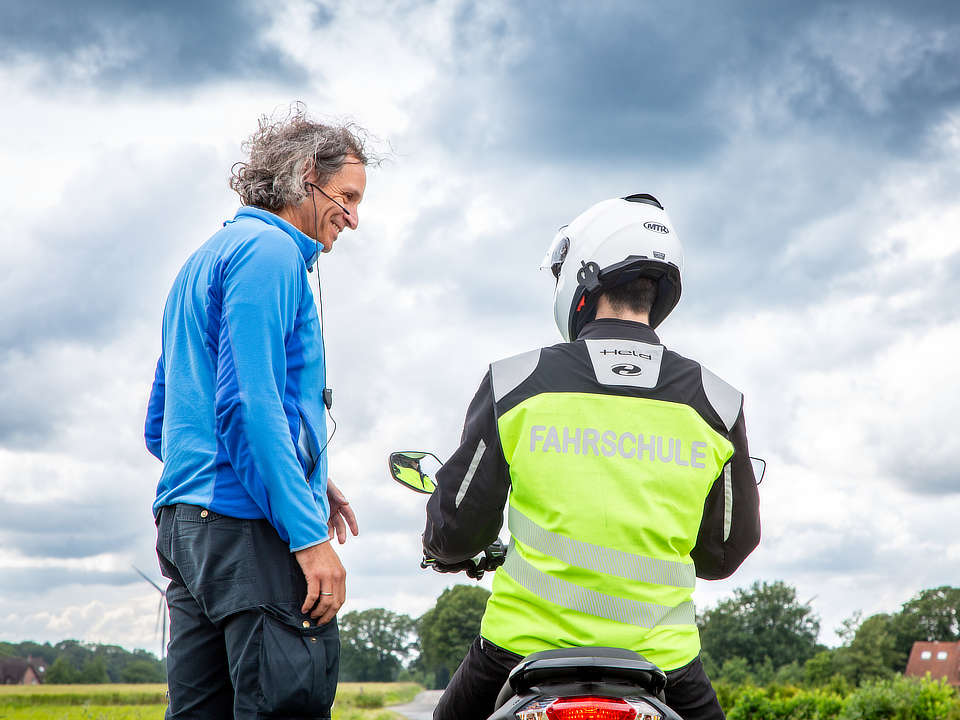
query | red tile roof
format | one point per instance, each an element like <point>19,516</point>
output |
<point>940,659</point>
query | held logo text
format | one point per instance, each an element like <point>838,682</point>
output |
<point>634,353</point>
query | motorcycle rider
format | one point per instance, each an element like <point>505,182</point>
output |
<point>626,466</point>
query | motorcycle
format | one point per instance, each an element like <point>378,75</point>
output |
<point>582,683</point>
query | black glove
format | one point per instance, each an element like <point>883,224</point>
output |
<point>464,565</point>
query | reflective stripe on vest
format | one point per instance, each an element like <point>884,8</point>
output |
<point>574,597</point>
<point>600,559</point>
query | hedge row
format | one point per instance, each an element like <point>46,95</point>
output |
<point>898,698</point>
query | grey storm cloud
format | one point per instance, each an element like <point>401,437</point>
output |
<point>27,420</point>
<point>629,83</point>
<point>160,44</point>
<point>36,580</point>
<point>860,554</point>
<point>67,530</point>
<point>447,255</point>
<point>924,463</point>
<point>94,260</point>
<point>929,477</point>
<point>763,129</point>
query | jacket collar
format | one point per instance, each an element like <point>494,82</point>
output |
<point>608,328</point>
<point>306,244</point>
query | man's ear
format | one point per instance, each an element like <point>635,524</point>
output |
<point>309,176</point>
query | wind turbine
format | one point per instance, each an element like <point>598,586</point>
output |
<point>161,612</point>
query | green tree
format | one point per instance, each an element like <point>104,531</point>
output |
<point>873,651</point>
<point>94,671</point>
<point>142,671</point>
<point>821,669</point>
<point>35,650</point>
<point>789,674</point>
<point>373,645</point>
<point>141,656</point>
<point>764,621</point>
<point>86,662</point>
<point>78,653</point>
<point>62,672</point>
<point>449,628</point>
<point>116,659</point>
<point>933,614</point>
<point>868,654</point>
<point>735,671</point>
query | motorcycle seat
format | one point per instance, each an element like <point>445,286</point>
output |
<point>583,664</point>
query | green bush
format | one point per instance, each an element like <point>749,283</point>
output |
<point>898,698</point>
<point>785,702</point>
<point>752,704</point>
<point>903,699</point>
<point>729,694</point>
<point>735,671</point>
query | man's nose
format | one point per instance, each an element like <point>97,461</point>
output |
<point>353,219</point>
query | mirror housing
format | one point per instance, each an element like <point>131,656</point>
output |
<point>406,468</point>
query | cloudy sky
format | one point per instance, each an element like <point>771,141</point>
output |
<point>808,154</point>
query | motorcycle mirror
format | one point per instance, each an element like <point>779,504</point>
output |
<point>406,467</point>
<point>759,468</point>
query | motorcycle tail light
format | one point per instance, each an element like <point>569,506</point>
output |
<point>588,708</point>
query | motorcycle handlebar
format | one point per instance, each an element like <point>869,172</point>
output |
<point>493,557</point>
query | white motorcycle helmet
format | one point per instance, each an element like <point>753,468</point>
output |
<point>611,243</point>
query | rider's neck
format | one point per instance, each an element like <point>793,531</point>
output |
<point>605,310</point>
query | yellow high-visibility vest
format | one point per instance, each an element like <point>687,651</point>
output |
<point>606,502</point>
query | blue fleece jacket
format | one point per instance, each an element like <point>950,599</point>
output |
<point>236,413</point>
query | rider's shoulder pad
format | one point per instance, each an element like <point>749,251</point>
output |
<point>507,374</point>
<point>725,399</point>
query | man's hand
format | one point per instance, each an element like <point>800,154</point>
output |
<point>340,511</point>
<point>326,581</point>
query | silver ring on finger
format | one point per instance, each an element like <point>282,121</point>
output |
<point>326,593</point>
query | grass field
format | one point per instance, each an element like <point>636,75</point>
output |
<point>83,712</point>
<point>355,701</point>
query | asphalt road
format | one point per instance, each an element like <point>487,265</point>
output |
<point>422,706</point>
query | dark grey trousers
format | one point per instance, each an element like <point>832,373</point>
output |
<point>473,691</point>
<point>239,645</point>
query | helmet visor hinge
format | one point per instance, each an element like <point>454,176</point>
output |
<point>589,276</point>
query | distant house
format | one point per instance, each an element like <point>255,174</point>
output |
<point>940,659</point>
<point>17,671</point>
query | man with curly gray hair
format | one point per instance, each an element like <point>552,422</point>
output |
<point>245,511</point>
